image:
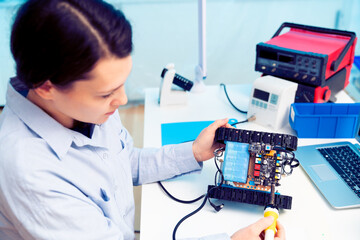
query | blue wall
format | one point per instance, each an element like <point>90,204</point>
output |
<point>7,9</point>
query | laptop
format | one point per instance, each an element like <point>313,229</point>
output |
<point>335,170</point>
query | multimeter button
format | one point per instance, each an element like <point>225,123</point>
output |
<point>305,76</point>
<point>265,105</point>
<point>253,101</point>
<point>273,70</point>
<point>274,99</point>
<point>260,104</point>
<point>296,74</point>
<point>313,79</point>
<point>263,67</point>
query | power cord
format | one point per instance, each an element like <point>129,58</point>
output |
<point>189,215</point>
<point>227,96</point>
<point>217,153</point>
<point>177,199</point>
<point>250,119</point>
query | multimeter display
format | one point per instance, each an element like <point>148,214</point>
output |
<point>262,95</point>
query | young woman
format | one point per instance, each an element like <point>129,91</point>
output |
<point>67,164</point>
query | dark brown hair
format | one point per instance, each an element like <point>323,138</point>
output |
<point>61,40</point>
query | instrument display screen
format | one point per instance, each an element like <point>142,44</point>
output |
<point>262,95</point>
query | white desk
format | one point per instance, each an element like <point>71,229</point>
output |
<point>311,217</point>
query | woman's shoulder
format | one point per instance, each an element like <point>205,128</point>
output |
<point>20,148</point>
<point>13,131</point>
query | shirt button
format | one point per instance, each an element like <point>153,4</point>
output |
<point>105,156</point>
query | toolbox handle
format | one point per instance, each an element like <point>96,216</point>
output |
<point>335,64</point>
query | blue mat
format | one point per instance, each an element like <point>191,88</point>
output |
<point>179,132</point>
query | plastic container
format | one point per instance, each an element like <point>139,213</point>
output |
<point>324,120</point>
<point>355,73</point>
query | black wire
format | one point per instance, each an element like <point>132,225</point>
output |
<point>217,208</point>
<point>227,96</point>
<point>179,200</point>
<point>218,171</point>
<point>187,216</point>
<point>292,162</point>
<point>246,120</point>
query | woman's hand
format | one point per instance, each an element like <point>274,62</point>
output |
<point>255,230</point>
<point>204,145</point>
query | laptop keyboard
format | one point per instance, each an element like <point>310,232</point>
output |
<point>346,162</point>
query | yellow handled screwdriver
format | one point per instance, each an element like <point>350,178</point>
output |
<point>271,210</point>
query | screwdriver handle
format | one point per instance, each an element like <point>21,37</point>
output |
<point>271,230</point>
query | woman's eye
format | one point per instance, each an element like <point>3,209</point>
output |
<point>106,96</point>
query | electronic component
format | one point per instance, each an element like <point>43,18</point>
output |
<point>319,59</point>
<point>236,162</point>
<point>254,163</point>
<point>251,170</point>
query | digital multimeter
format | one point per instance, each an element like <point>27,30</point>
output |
<point>270,101</point>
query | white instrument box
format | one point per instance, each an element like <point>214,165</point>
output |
<point>270,101</point>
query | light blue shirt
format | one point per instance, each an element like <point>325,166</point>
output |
<point>56,183</point>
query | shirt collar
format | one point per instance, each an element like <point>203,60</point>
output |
<point>56,135</point>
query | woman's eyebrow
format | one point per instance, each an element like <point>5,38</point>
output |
<point>112,90</point>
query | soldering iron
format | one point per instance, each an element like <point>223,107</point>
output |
<point>271,210</point>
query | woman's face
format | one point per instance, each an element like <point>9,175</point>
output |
<point>93,100</point>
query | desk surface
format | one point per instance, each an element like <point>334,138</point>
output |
<point>311,217</point>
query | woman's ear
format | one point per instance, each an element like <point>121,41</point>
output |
<point>46,90</point>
